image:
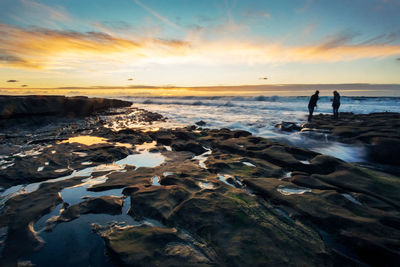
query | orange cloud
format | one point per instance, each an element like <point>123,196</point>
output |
<point>40,48</point>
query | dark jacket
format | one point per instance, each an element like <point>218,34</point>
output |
<point>313,101</point>
<point>336,100</point>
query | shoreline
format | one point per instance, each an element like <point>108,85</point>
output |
<point>271,195</point>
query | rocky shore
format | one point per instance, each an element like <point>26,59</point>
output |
<point>377,132</point>
<point>195,197</point>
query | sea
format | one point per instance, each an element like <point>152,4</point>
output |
<point>260,114</point>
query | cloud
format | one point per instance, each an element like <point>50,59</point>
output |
<point>157,15</point>
<point>398,59</point>
<point>12,81</point>
<point>40,48</point>
<point>24,85</point>
<point>45,49</point>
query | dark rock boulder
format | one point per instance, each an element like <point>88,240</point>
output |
<point>154,246</point>
<point>201,123</point>
<point>105,204</point>
<point>191,146</point>
<point>288,126</point>
<point>385,150</point>
<point>32,106</point>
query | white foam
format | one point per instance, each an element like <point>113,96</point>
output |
<point>259,114</point>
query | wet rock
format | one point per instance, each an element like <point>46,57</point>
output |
<point>377,132</point>
<point>208,221</point>
<point>19,214</point>
<point>231,220</point>
<point>385,150</point>
<point>191,146</point>
<point>29,106</point>
<point>105,204</point>
<point>288,126</point>
<point>157,202</point>
<point>154,246</point>
<point>200,123</point>
<point>240,133</point>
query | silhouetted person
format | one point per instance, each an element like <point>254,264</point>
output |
<point>312,104</point>
<point>336,104</point>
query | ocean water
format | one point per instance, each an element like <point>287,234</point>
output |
<point>260,114</point>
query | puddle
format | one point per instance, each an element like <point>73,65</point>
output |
<point>75,244</point>
<point>87,163</point>
<point>249,164</point>
<point>168,173</point>
<point>206,185</point>
<point>77,194</point>
<point>86,140</point>
<point>144,159</point>
<point>124,145</point>
<point>40,225</point>
<point>168,148</point>
<point>292,190</point>
<point>39,169</point>
<point>288,175</point>
<point>305,162</point>
<point>352,199</point>
<point>155,180</point>
<point>203,157</point>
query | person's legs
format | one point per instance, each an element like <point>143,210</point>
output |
<point>335,112</point>
<point>310,110</point>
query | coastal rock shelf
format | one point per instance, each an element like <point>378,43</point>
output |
<point>192,197</point>
<point>377,132</point>
<point>32,106</point>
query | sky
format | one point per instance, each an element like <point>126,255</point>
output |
<point>203,43</point>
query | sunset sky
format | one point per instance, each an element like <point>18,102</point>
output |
<point>184,43</point>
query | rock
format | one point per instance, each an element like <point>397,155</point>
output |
<point>191,146</point>
<point>377,132</point>
<point>105,204</point>
<point>19,215</point>
<point>385,150</point>
<point>240,133</point>
<point>154,246</point>
<point>225,214</point>
<point>201,123</point>
<point>30,106</point>
<point>288,126</point>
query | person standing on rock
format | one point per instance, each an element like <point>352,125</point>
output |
<point>335,104</point>
<point>312,104</point>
